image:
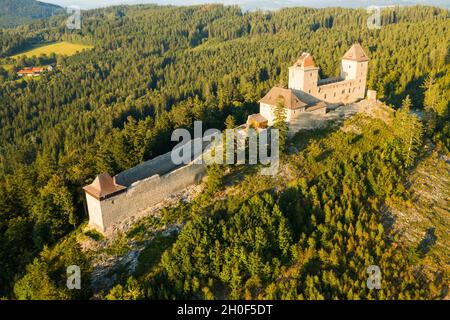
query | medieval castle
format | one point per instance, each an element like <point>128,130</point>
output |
<point>112,199</point>
<point>309,94</point>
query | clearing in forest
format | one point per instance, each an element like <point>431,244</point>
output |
<point>59,48</point>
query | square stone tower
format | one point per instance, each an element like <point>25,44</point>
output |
<point>349,87</point>
<point>304,75</point>
<point>354,66</point>
<point>103,188</point>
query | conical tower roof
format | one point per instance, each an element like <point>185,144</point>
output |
<point>356,53</point>
<point>305,61</point>
<point>103,186</point>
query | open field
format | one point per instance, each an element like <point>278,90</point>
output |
<point>64,48</point>
<point>7,67</point>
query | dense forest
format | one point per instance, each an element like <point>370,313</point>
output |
<point>17,12</point>
<point>313,239</point>
<point>154,69</point>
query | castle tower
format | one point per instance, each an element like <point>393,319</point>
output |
<point>304,75</point>
<point>103,187</point>
<point>354,66</point>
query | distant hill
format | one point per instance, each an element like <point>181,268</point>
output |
<point>16,12</point>
<point>273,5</point>
<point>250,5</point>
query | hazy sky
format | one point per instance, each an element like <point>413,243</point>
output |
<point>251,4</point>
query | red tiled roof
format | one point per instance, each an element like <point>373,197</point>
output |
<point>25,71</point>
<point>305,61</point>
<point>32,70</point>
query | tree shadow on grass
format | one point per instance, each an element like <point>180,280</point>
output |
<point>151,255</point>
<point>427,242</point>
<point>303,138</point>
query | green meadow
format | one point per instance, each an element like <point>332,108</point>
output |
<point>59,48</point>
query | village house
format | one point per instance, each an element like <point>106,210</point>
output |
<point>33,71</point>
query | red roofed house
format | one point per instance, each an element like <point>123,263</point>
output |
<point>33,72</point>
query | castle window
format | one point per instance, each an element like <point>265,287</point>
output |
<point>349,90</point>
<point>309,91</point>
<point>343,91</point>
<point>335,94</point>
<point>325,96</point>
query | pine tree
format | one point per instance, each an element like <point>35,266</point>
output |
<point>215,178</point>
<point>230,122</point>
<point>280,123</point>
<point>406,104</point>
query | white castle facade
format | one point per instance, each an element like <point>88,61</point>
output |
<point>307,93</point>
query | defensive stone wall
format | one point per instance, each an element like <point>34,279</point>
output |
<point>157,166</point>
<point>343,91</point>
<point>147,184</point>
<point>145,193</point>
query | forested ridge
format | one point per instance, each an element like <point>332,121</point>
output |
<point>16,12</point>
<point>154,69</point>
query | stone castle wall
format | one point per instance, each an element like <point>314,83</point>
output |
<point>142,194</point>
<point>157,166</point>
<point>342,91</point>
<point>349,87</point>
<point>147,184</point>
